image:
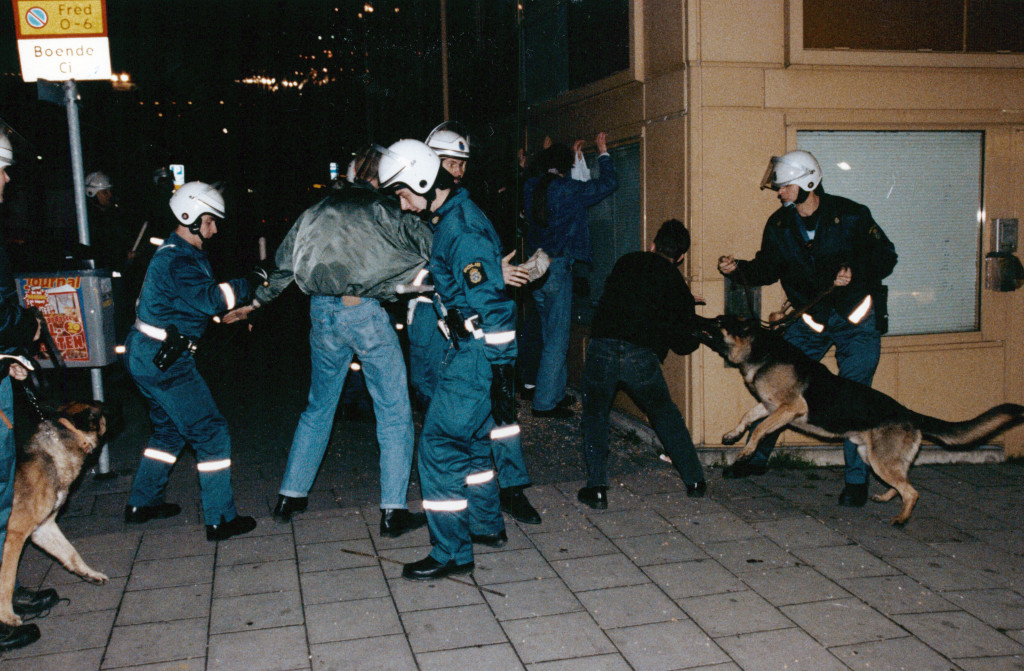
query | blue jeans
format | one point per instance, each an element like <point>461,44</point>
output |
<point>858,350</point>
<point>336,333</point>
<point>554,304</point>
<point>7,455</point>
<point>181,409</point>
<point>611,363</point>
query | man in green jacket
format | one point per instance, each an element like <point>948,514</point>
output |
<point>349,252</point>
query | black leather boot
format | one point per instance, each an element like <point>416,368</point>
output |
<point>241,524</point>
<point>33,602</point>
<point>515,503</point>
<point>159,511</point>
<point>490,540</point>
<point>12,638</point>
<point>595,497</point>
<point>288,506</point>
<point>396,521</point>
<point>854,496</point>
<point>429,568</point>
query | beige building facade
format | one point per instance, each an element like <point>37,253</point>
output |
<point>715,88</point>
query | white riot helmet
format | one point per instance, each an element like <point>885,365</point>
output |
<point>796,167</point>
<point>447,143</point>
<point>6,149</point>
<point>96,182</point>
<point>190,202</point>
<point>409,163</point>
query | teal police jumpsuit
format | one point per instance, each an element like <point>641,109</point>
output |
<point>460,492</point>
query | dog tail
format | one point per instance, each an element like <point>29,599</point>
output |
<point>966,435</point>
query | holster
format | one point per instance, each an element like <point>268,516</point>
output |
<point>880,302</point>
<point>171,349</point>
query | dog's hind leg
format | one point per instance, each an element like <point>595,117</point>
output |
<point>890,454</point>
<point>50,538</point>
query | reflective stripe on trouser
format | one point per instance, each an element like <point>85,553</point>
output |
<point>508,458</point>
<point>181,409</point>
<point>455,448</point>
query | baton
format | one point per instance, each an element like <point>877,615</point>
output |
<point>142,231</point>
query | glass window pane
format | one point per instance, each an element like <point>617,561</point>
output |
<point>924,189</point>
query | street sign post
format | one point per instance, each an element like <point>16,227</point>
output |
<point>62,39</point>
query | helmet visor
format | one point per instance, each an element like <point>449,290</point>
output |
<point>13,146</point>
<point>781,172</point>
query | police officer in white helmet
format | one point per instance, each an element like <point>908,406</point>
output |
<point>179,295</point>
<point>831,258</point>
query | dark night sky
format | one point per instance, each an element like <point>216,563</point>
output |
<point>385,83</point>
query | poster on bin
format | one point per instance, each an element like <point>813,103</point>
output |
<point>60,301</point>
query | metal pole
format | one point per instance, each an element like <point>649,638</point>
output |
<point>444,59</point>
<point>78,175</point>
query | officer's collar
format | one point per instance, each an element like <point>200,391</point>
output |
<point>457,195</point>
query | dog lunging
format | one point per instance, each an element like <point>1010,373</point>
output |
<point>796,391</point>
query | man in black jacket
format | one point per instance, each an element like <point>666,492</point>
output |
<point>645,310</point>
<point>831,258</point>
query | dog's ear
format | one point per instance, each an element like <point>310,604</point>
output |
<point>85,415</point>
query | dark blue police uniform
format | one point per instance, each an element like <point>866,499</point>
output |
<point>460,493</point>
<point>180,291</point>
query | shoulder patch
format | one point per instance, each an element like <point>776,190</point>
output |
<point>474,273</point>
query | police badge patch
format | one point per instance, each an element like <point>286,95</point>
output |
<point>474,274</point>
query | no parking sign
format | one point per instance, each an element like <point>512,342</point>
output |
<point>60,40</point>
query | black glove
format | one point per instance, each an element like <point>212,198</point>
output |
<point>503,393</point>
<point>258,277</point>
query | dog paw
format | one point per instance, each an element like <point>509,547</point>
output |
<point>97,578</point>
<point>10,619</point>
<point>898,521</point>
<point>731,438</point>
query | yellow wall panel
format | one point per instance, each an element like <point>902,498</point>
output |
<point>742,31</point>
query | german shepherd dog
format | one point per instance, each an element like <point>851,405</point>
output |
<point>51,462</point>
<point>796,391</point>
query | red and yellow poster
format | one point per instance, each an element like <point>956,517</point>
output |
<point>59,301</point>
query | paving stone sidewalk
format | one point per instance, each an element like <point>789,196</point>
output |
<point>763,574</point>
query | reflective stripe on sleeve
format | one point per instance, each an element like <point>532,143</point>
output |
<point>499,338</point>
<point>210,466</point>
<point>815,326</point>
<point>446,506</point>
<point>499,432</point>
<point>158,455</point>
<point>229,294</point>
<point>479,478</point>
<point>861,311</point>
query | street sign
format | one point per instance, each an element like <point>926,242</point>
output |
<point>62,39</point>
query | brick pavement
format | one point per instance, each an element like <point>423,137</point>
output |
<point>766,573</point>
